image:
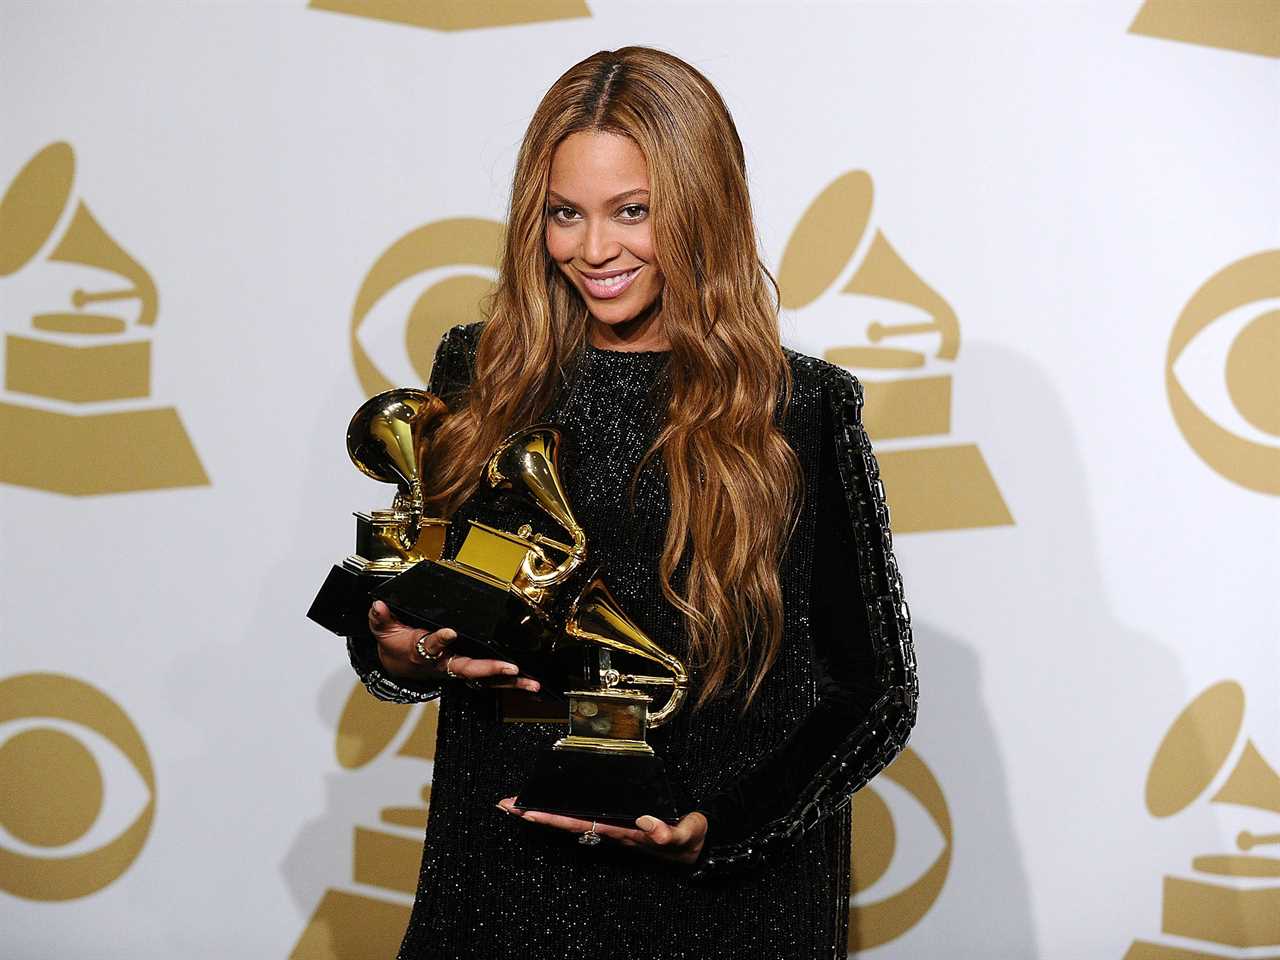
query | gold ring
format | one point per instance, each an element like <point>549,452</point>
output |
<point>448,669</point>
<point>590,838</point>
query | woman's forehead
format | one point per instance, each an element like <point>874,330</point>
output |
<point>596,165</point>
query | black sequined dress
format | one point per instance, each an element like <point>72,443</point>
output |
<point>774,782</point>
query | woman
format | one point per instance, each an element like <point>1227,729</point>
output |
<point>729,490</point>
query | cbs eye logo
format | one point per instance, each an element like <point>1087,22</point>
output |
<point>901,822</point>
<point>429,280</point>
<point>80,792</point>
<point>1227,343</point>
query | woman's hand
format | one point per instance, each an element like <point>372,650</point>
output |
<point>398,650</point>
<point>680,843</point>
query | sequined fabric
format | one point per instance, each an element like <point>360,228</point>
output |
<point>775,781</point>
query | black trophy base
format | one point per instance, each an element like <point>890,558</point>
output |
<point>606,788</point>
<point>491,622</point>
<point>342,605</point>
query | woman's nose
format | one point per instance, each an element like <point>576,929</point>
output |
<point>598,244</point>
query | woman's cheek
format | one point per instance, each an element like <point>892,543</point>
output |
<point>557,246</point>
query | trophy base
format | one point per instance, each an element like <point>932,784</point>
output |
<point>606,788</point>
<point>342,605</point>
<point>490,620</point>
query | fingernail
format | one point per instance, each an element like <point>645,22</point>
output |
<point>452,634</point>
<point>511,669</point>
<point>647,823</point>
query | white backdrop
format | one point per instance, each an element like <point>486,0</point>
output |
<point>1048,191</point>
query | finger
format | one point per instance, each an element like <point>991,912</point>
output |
<point>437,642</point>
<point>656,831</point>
<point>574,825</point>
<point>508,805</point>
<point>557,822</point>
<point>470,668</point>
<point>682,833</point>
<point>520,683</point>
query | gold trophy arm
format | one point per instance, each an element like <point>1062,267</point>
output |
<point>597,618</point>
<point>528,461</point>
<point>387,439</point>
<point>427,543</point>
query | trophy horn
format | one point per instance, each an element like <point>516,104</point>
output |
<point>595,617</point>
<point>385,437</point>
<point>529,461</point>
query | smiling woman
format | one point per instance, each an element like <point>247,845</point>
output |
<point>600,236</point>
<point>727,486</point>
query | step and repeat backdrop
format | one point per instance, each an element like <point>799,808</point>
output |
<point>1045,235</point>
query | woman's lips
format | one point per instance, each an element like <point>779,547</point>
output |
<point>609,287</point>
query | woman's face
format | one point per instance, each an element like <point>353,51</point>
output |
<point>600,234</point>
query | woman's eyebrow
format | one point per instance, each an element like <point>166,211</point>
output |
<point>556,198</point>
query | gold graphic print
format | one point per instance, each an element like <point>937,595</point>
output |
<point>62,425</point>
<point>1232,900</point>
<point>1246,26</point>
<point>833,252</point>
<point>54,791</point>
<point>452,299</point>
<point>458,14</point>
<point>370,921</point>
<point>872,850</point>
<point>1252,373</point>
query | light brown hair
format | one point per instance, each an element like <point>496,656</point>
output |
<point>733,479</point>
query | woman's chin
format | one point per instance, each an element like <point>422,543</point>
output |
<point>617,314</point>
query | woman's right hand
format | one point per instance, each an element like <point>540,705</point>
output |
<point>400,657</point>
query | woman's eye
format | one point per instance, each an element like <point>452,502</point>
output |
<point>634,211</point>
<point>563,214</point>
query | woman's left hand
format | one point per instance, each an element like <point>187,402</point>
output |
<point>681,842</point>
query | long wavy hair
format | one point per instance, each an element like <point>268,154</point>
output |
<point>733,480</point>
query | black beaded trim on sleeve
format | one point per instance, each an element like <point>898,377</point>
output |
<point>450,376</point>
<point>454,365</point>
<point>883,733</point>
<point>382,686</point>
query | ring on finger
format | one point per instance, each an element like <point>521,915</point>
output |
<point>590,838</point>
<point>448,668</point>
<point>421,646</point>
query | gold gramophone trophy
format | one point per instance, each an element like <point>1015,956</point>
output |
<point>501,591</point>
<point>523,596</point>
<point>385,440</point>
<point>604,769</point>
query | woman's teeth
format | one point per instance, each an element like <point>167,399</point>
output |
<point>610,286</point>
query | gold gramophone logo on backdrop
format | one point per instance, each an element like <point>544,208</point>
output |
<point>458,14</point>
<point>1230,904</point>
<point>369,918</point>
<point>457,261</point>
<point>835,251</point>
<point>1246,26</point>
<point>79,789</point>
<point>75,416</point>
<point>1241,440</point>
<point>877,915</point>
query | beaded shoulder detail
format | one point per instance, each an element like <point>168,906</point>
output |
<point>883,732</point>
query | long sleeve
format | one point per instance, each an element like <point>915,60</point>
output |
<point>867,688</point>
<point>451,374</point>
